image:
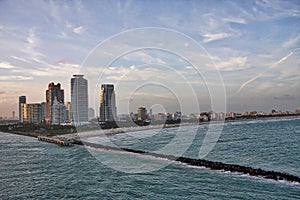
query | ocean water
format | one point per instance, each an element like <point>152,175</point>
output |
<point>30,169</point>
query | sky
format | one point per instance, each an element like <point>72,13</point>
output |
<point>166,55</point>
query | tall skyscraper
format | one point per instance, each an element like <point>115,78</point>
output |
<point>53,92</point>
<point>79,99</point>
<point>22,100</point>
<point>108,109</point>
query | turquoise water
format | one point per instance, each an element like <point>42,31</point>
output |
<point>35,170</point>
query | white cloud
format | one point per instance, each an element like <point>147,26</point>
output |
<point>213,37</point>
<point>153,94</point>
<point>235,20</point>
<point>235,63</point>
<point>78,30</point>
<point>6,65</point>
<point>140,56</point>
<point>281,60</point>
<point>15,78</point>
<point>132,66</point>
<point>60,69</point>
<point>189,67</point>
<point>248,82</point>
<point>21,59</point>
<point>63,35</point>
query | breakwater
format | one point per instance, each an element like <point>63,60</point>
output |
<point>257,172</point>
<point>59,141</point>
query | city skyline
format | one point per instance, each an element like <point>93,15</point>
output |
<point>254,45</point>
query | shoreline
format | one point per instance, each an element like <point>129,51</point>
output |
<point>115,131</point>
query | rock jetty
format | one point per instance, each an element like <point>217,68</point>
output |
<point>206,163</point>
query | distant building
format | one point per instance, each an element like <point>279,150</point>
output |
<point>68,107</point>
<point>22,100</point>
<point>160,117</point>
<point>176,116</point>
<point>124,117</point>
<point>221,116</point>
<point>135,117</point>
<point>142,112</point>
<point>79,99</point>
<point>108,109</point>
<point>91,113</point>
<point>54,91</point>
<point>231,115</point>
<point>59,113</point>
<point>168,116</point>
<point>43,112</point>
<point>212,115</point>
<point>32,113</point>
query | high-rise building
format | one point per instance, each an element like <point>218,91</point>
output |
<point>22,100</point>
<point>91,113</point>
<point>108,109</point>
<point>142,113</point>
<point>68,107</point>
<point>79,99</point>
<point>32,113</point>
<point>43,111</point>
<point>54,91</point>
<point>59,113</point>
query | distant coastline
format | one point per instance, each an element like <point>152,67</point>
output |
<point>70,131</point>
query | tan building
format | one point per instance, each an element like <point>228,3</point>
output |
<point>32,113</point>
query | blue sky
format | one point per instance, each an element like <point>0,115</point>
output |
<point>253,44</point>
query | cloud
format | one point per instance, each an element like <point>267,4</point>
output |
<point>285,97</point>
<point>248,82</point>
<point>61,68</point>
<point>213,37</point>
<point>73,28</point>
<point>63,35</point>
<point>30,50</point>
<point>281,60</point>
<point>235,20</point>
<point>189,67</point>
<point>15,78</point>
<point>291,42</point>
<point>232,64</point>
<point>265,71</point>
<point>6,65</point>
<point>151,94</point>
<point>140,56</point>
<point>78,30</point>
<point>21,59</point>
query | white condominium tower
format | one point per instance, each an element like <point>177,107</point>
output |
<point>79,99</point>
